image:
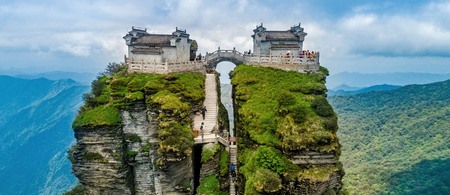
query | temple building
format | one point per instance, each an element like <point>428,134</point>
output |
<point>278,43</point>
<point>160,48</point>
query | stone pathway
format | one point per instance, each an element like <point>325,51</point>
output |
<point>210,121</point>
<point>210,124</point>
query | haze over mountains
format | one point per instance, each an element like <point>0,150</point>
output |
<point>35,134</point>
<point>362,80</point>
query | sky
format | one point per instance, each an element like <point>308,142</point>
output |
<point>352,36</point>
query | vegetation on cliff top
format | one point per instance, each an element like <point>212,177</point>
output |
<point>174,96</point>
<point>278,112</point>
<point>396,142</point>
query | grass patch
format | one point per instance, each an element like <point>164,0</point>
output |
<point>99,116</point>
<point>210,185</point>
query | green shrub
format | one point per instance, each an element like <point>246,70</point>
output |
<point>313,88</point>
<point>115,68</point>
<point>210,185</point>
<point>330,123</point>
<point>269,158</point>
<point>98,85</point>
<point>298,113</point>
<point>175,139</point>
<point>267,181</point>
<point>285,99</point>
<point>322,107</point>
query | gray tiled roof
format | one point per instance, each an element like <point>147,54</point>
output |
<point>280,36</point>
<point>280,46</point>
<point>153,40</point>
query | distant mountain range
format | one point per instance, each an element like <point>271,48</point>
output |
<point>35,133</point>
<point>362,80</point>
<point>396,141</point>
<point>83,78</point>
<point>346,90</point>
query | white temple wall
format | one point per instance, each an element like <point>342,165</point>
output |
<point>147,58</point>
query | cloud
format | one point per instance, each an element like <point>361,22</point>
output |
<point>343,33</point>
<point>415,33</point>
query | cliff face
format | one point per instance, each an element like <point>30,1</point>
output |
<point>97,160</point>
<point>286,132</point>
<point>138,141</point>
<point>124,158</point>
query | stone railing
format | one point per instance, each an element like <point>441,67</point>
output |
<point>300,63</point>
<point>164,67</point>
<point>224,53</point>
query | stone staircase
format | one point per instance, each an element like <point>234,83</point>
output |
<point>210,121</point>
<point>210,124</point>
<point>233,159</point>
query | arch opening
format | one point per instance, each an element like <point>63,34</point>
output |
<point>224,68</point>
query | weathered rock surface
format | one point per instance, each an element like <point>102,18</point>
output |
<point>98,161</point>
<point>211,166</point>
<point>332,186</point>
<point>128,161</point>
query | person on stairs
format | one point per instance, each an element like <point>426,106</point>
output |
<point>204,112</point>
<point>233,171</point>
<point>201,129</point>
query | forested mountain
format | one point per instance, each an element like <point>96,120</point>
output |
<point>397,141</point>
<point>35,133</point>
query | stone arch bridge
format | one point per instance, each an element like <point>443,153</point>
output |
<point>214,58</point>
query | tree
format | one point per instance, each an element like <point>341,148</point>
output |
<point>114,68</point>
